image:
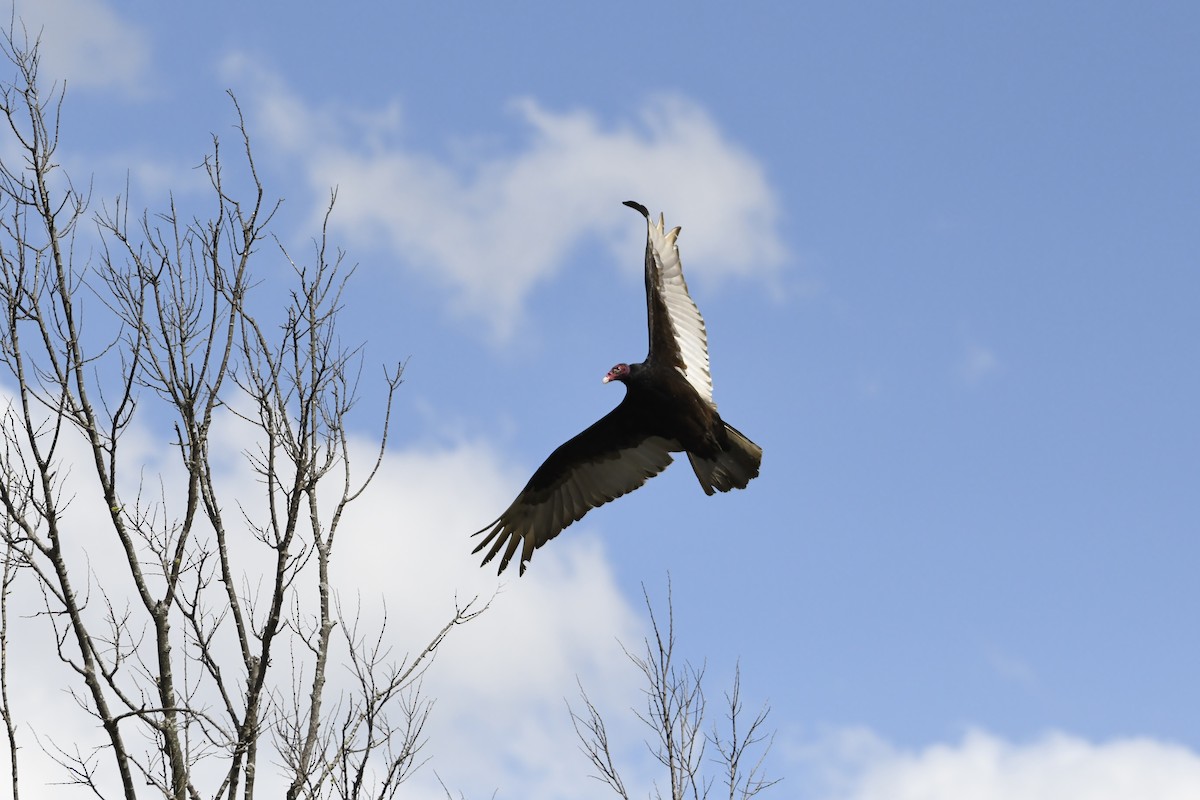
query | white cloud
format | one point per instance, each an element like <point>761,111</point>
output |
<point>855,764</point>
<point>498,683</point>
<point>87,44</point>
<point>489,228</point>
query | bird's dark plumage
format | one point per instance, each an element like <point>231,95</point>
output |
<point>668,407</point>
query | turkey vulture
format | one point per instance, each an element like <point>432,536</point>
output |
<point>668,408</point>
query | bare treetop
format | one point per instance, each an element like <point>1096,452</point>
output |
<point>198,623</point>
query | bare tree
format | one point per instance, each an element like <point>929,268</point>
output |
<point>181,651</point>
<point>674,712</point>
<point>7,578</point>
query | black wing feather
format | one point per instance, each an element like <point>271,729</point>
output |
<point>610,458</point>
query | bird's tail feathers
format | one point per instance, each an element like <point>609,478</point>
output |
<point>733,468</point>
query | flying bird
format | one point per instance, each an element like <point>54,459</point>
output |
<point>668,408</point>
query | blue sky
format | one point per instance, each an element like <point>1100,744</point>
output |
<point>947,255</point>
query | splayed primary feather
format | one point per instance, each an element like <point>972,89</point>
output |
<point>540,514</point>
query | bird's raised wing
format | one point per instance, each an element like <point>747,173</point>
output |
<point>677,334</point>
<point>611,458</point>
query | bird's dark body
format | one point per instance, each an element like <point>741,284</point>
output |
<point>663,405</point>
<point>672,409</point>
<point>667,409</point>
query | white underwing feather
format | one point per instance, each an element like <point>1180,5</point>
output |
<point>687,325</point>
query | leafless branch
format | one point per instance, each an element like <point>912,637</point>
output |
<point>734,748</point>
<point>174,648</point>
<point>674,713</point>
<point>12,562</point>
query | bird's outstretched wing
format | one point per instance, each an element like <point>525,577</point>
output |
<point>677,334</point>
<point>611,458</point>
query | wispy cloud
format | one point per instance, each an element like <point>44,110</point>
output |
<point>978,364</point>
<point>1010,667</point>
<point>490,227</point>
<point>87,43</point>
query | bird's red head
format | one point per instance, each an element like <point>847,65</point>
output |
<point>618,373</point>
